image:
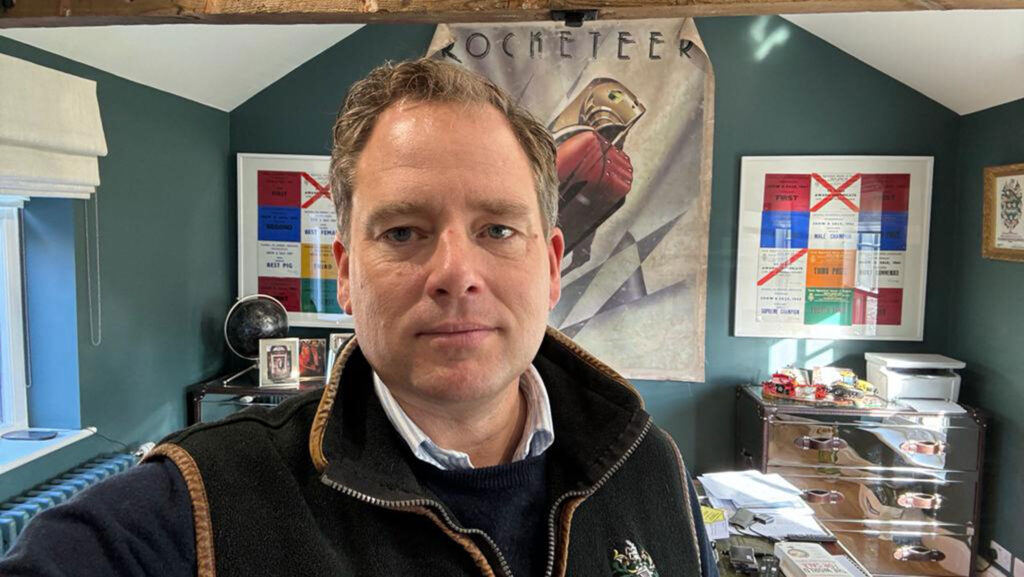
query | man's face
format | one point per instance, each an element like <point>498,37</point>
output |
<point>448,272</point>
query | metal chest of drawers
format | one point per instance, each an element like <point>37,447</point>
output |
<point>899,488</point>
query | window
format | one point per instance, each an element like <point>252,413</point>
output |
<point>53,138</point>
<point>13,374</point>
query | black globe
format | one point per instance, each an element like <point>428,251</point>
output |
<point>253,318</point>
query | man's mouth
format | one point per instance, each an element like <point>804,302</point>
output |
<point>458,334</point>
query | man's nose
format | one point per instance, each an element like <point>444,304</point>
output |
<point>453,269</point>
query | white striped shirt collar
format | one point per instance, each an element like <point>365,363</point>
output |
<point>538,432</point>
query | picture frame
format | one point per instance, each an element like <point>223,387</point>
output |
<point>279,363</point>
<point>833,247</point>
<point>312,359</point>
<point>1002,221</point>
<point>335,341</point>
<point>286,229</point>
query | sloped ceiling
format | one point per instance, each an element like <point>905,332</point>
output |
<point>220,66</point>
<point>966,60</point>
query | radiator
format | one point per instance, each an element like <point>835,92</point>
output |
<point>17,512</point>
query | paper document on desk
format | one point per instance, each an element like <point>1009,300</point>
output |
<point>934,406</point>
<point>767,495</point>
<point>801,509</point>
<point>752,489</point>
<point>716,523</point>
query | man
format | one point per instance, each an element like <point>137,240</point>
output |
<point>457,435</point>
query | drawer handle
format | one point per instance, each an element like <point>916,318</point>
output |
<point>823,497</point>
<point>919,501</point>
<point>918,553</point>
<point>820,443</point>
<point>923,447</point>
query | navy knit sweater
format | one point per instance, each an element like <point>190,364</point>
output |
<point>508,502</point>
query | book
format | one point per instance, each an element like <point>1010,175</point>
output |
<point>808,560</point>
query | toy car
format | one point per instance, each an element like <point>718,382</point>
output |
<point>841,392</point>
<point>780,385</point>
<point>865,386</point>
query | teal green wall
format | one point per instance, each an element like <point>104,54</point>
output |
<point>167,243</point>
<point>295,114</point>
<point>802,96</point>
<point>986,320</point>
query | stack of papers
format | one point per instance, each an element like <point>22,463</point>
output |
<point>933,406</point>
<point>753,489</point>
<point>769,496</point>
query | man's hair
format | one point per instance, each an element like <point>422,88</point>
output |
<point>427,80</point>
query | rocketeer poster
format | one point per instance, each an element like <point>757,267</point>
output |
<point>630,106</point>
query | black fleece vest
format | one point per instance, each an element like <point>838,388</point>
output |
<point>324,485</point>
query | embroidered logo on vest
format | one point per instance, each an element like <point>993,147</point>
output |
<point>632,562</point>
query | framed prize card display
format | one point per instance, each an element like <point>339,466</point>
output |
<point>833,247</point>
<point>286,226</point>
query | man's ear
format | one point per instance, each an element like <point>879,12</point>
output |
<point>556,248</point>
<point>344,279</point>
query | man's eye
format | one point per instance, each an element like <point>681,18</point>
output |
<point>400,234</point>
<point>499,232</point>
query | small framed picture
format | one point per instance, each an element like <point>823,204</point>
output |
<point>335,342</point>
<point>1002,225</point>
<point>312,359</point>
<point>279,363</point>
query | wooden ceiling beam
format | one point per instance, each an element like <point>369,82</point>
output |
<point>55,13</point>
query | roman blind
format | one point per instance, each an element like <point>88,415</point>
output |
<point>51,136</point>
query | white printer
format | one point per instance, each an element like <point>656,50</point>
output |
<point>914,376</point>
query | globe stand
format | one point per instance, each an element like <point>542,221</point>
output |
<point>249,320</point>
<point>241,372</point>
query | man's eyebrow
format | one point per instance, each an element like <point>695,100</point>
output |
<point>393,210</point>
<point>493,207</point>
<point>503,207</point>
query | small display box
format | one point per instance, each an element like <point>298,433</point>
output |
<point>914,376</point>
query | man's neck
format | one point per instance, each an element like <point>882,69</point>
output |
<point>488,432</point>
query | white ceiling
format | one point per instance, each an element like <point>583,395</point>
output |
<point>220,66</point>
<point>966,60</point>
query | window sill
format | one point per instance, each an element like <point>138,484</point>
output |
<point>14,454</point>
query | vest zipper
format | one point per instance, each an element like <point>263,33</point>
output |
<point>409,504</point>
<point>552,536</point>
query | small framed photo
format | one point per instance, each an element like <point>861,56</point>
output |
<point>1002,225</point>
<point>279,363</point>
<point>312,359</point>
<point>334,344</point>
